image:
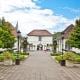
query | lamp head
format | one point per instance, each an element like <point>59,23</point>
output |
<point>18,33</point>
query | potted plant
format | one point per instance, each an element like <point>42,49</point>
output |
<point>7,58</point>
<point>63,62</point>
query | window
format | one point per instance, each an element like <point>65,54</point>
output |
<point>40,38</point>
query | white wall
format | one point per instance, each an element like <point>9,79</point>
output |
<point>16,45</point>
<point>59,47</point>
<point>75,50</point>
<point>35,41</point>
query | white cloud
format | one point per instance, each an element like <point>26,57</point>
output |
<point>29,15</point>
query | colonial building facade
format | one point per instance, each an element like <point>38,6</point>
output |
<point>39,40</point>
<point>66,46</point>
<point>61,38</point>
<point>65,34</point>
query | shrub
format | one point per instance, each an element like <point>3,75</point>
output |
<point>22,53</point>
<point>7,55</point>
<point>58,58</point>
<point>1,58</point>
<point>77,59</point>
<point>22,57</point>
<point>66,56</point>
<point>69,56</point>
<point>55,54</point>
<point>14,58</point>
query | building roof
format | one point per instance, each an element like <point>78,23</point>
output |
<point>39,33</point>
<point>65,33</point>
<point>68,30</point>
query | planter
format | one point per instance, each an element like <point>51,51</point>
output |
<point>69,63</point>
<point>63,62</point>
<point>17,62</point>
<point>8,62</point>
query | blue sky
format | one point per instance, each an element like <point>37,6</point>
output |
<point>53,15</point>
<point>67,8</point>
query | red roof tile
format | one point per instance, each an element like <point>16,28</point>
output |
<point>39,33</point>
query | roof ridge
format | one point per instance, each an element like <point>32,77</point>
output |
<point>39,32</point>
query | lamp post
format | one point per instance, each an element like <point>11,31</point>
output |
<point>54,45</point>
<point>25,45</point>
<point>18,38</point>
<point>62,43</point>
<point>62,61</point>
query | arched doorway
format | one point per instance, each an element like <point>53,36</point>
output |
<point>39,47</point>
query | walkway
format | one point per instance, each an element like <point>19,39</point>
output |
<point>39,66</point>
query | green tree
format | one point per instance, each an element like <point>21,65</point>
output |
<point>7,39</point>
<point>74,38</point>
<point>25,43</point>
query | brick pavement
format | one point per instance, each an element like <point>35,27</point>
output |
<point>39,66</point>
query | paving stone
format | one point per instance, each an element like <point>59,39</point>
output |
<point>39,66</point>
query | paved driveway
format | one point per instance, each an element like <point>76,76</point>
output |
<point>39,66</point>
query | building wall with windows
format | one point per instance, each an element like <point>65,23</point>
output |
<point>66,46</point>
<point>40,41</point>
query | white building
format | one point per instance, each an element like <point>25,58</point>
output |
<point>66,46</point>
<point>39,40</point>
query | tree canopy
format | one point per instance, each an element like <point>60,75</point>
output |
<point>74,39</point>
<point>7,39</point>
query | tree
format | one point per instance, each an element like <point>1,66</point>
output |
<point>74,38</point>
<point>7,39</point>
<point>25,43</point>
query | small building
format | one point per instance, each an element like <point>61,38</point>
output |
<point>39,40</point>
<point>66,34</point>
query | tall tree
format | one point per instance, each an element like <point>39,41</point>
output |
<point>74,39</point>
<point>7,39</point>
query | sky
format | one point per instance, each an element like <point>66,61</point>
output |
<point>53,15</point>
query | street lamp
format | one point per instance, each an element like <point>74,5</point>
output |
<point>18,38</point>
<point>62,61</point>
<point>54,45</point>
<point>25,44</point>
<point>62,43</point>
